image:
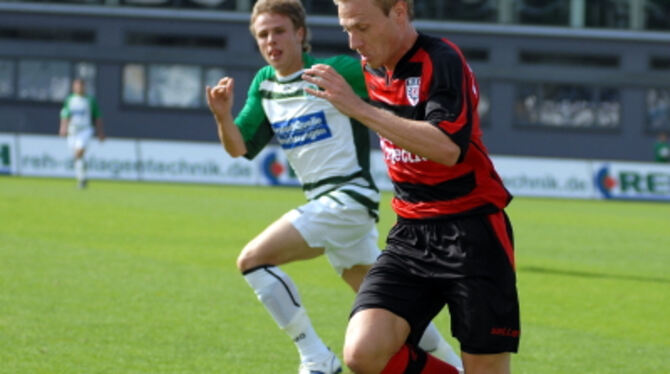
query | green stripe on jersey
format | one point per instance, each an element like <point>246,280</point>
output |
<point>267,94</point>
<point>372,206</point>
<point>336,180</point>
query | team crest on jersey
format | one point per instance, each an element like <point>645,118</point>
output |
<point>412,86</point>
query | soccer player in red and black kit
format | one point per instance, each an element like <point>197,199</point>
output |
<point>452,244</point>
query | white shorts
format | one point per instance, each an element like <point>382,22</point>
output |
<point>345,229</point>
<point>79,139</point>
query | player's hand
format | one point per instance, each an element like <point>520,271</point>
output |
<point>334,88</point>
<point>220,97</point>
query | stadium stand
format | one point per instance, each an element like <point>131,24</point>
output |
<point>551,73</point>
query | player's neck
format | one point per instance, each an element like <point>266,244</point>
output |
<point>291,70</point>
<point>290,76</point>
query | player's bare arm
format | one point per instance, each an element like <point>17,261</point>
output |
<point>220,101</point>
<point>418,137</point>
<point>100,129</point>
<point>62,131</point>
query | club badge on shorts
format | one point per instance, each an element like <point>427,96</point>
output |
<point>412,86</point>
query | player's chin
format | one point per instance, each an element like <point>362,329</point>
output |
<point>371,62</point>
<point>270,60</point>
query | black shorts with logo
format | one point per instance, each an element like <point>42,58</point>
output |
<point>465,263</point>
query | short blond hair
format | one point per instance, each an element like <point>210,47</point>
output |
<point>386,5</point>
<point>292,9</point>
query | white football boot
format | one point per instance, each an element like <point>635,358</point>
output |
<point>331,365</point>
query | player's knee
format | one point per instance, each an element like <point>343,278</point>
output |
<point>244,261</point>
<point>249,259</point>
<point>361,359</point>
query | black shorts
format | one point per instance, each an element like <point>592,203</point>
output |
<point>466,263</point>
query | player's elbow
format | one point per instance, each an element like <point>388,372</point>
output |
<point>235,148</point>
<point>235,152</point>
<point>448,155</point>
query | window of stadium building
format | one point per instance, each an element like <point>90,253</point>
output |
<point>563,58</point>
<point>658,109</point>
<point>568,106</point>
<point>168,85</point>
<point>608,13</point>
<point>622,14</point>
<point>484,106</point>
<point>7,71</point>
<point>134,84</point>
<point>50,80</point>
<point>544,12</point>
<point>660,63</point>
<point>176,86</point>
<point>209,4</point>
<point>325,7</point>
<point>86,71</point>
<point>458,10</point>
<point>43,80</point>
<point>657,14</point>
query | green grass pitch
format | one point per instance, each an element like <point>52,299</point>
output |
<point>140,278</point>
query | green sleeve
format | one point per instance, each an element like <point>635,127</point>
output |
<point>95,109</point>
<point>251,120</point>
<point>65,110</point>
<point>352,71</point>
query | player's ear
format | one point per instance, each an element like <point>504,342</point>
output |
<point>399,10</point>
<point>302,35</point>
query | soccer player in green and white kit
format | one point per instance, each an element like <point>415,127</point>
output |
<point>79,113</point>
<point>330,156</point>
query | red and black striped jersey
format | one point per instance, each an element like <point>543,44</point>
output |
<point>432,82</point>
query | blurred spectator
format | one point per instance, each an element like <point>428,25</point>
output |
<point>662,148</point>
<point>658,109</point>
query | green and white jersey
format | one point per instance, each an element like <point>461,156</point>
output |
<point>82,111</point>
<point>327,150</point>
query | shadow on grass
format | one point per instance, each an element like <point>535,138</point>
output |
<point>586,274</point>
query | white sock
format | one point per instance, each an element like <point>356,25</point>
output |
<point>80,169</point>
<point>433,343</point>
<point>280,297</point>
